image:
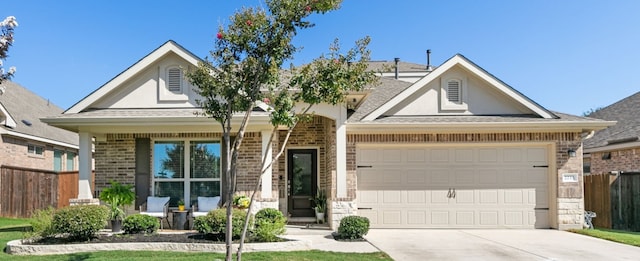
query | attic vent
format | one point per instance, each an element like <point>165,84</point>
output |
<point>453,91</point>
<point>174,81</point>
<point>26,122</point>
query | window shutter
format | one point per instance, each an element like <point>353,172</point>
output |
<point>174,80</point>
<point>453,91</point>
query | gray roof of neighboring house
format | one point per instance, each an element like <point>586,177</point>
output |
<point>625,112</point>
<point>22,104</point>
<point>389,66</point>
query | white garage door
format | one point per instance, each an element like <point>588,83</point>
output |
<point>453,187</point>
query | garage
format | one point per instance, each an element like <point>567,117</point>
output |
<point>453,186</point>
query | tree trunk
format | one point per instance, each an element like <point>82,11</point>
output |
<point>230,189</point>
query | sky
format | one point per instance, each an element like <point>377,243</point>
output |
<point>569,56</point>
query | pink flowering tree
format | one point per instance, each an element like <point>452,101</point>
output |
<point>245,69</point>
<point>6,40</point>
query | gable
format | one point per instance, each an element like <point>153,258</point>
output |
<point>459,87</point>
<point>474,95</point>
<point>151,88</point>
<point>146,84</point>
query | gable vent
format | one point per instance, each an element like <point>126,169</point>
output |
<point>453,91</point>
<point>174,80</point>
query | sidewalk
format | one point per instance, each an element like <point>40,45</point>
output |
<point>321,239</point>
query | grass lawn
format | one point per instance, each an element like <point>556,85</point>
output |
<point>620,236</point>
<point>8,233</point>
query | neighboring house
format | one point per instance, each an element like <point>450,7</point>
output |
<point>27,142</point>
<point>616,148</point>
<point>450,147</point>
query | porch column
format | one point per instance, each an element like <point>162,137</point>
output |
<point>266,153</point>
<point>84,166</point>
<point>341,153</point>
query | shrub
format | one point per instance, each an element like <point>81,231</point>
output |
<point>269,224</point>
<point>215,222</point>
<point>41,223</point>
<point>353,227</point>
<point>139,223</point>
<point>80,222</point>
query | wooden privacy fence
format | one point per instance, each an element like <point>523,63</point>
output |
<point>615,199</point>
<point>24,190</point>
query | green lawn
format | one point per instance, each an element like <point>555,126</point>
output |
<point>9,232</point>
<point>625,237</point>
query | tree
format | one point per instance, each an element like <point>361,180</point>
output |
<point>245,69</point>
<point>6,40</point>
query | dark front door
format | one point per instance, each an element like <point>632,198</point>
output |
<point>302,172</point>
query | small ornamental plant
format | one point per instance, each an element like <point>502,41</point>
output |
<point>241,201</point>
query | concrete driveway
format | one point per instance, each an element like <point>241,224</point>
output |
<point>480,244</point>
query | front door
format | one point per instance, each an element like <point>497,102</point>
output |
<point>302,170</point>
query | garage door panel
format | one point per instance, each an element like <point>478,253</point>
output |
<point>494,187</point>
<point>488,218</point>
<point>463,155</point>
<point>488,197</point>
<point>417,197</point>
<point>417,156</point>
<point>392,156</point>
<point>417,217</point>
<point>392,217</point>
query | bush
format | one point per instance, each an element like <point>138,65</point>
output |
<point>80,222</point>
<point>353,227</point>
<point>41,223</point>
<point>269,224</point>
<point>215,222</point>
<point>139,223</point>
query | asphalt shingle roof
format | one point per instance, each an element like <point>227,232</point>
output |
<point>22,104</point>
<point>625,112</point>
<point>389,66</point>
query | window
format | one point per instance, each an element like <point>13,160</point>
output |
<point>57,160</point>
<point>71,161</point>
<point>35,150</point>
<point>186,169</point>
<point>606,156</point>
<point>174,80</point>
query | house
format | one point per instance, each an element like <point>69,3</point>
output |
<point>616,148</point>
<point>27,142</point>
<point>450,147</point>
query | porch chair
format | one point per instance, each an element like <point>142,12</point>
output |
<point>157,207</point>
<point>203,206</point>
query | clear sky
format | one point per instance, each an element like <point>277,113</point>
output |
<point>569,56</point>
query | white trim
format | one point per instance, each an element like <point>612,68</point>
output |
<point>612,147</point>
<point>105,89</point>
<point>85,191</point>
<point>267,176</point>
<point>39,139</point>
<point>472,68</point>
<point>9,122</point>
<point>341,154</point>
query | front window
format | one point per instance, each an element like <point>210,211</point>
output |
<point>186,173</point>
<point>57,160</point>
<point>71,156</point>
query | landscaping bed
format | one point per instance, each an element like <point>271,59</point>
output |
<point>188,237</point>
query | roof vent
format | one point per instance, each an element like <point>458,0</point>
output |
<point>397,60</point>
<point>429,67</point>
<point>26,122</point>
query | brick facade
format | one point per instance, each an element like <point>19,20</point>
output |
<point>13,152</point>
<point>626,160</point>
